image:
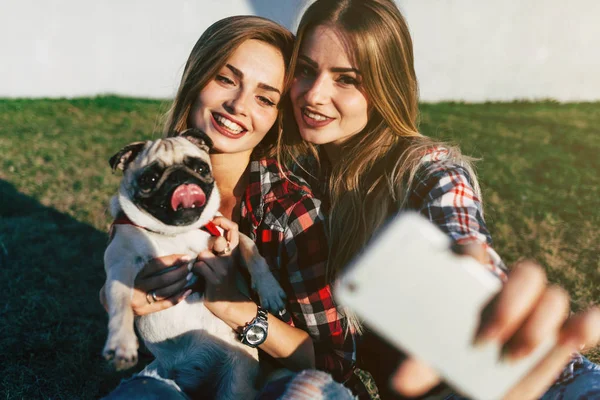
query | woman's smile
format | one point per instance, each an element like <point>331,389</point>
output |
<point>228,126</point>
<point>314,119</point>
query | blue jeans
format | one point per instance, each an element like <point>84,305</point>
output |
<point>147,387</point>
<point>305,385</point>
<point>583,383</point>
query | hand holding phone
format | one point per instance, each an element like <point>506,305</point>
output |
<point>411,289</point>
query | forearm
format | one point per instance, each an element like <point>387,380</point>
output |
<point>293,347</point>
<point>447,196</point>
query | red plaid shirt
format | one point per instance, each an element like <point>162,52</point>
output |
<point>285,221</point>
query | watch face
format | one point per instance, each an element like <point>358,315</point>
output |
<point>256,334</point>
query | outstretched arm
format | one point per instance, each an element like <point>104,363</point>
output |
<point>518,317</point>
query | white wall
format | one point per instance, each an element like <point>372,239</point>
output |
<point>469,50</point>
<point>480,50</point>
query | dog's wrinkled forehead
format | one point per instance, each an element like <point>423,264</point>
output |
<point>171,151</point>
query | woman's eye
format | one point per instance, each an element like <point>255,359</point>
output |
<point>304,70</point>
<point>266,101</point>
<point>347,80</point>
<point>224,79</point>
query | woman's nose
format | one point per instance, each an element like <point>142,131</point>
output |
<point>318,91</point>
<point>238,104</point>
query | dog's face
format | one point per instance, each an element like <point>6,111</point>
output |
<point>168,179</point>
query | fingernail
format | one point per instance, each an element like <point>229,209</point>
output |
<point>485,336</point>
<point>189,276</point>
<point>575,346</point>
<point>186,258</point>
<point>571,343</point>
<point>187,293</point>
<point>510,356</point>
<point>478,343</point>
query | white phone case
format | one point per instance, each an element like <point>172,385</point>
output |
<point>411,289</point>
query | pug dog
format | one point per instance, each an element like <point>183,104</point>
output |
<point>166,195</point>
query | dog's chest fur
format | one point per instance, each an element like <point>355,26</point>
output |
<point>175,321</point>
<point>186,337</point>
<point>190,314</point>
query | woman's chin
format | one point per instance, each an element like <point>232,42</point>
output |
<point>313,137</point>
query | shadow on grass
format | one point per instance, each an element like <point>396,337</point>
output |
<point>52,327</point>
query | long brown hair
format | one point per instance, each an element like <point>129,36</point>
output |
<point>208,56</point>
<point>386,155</point>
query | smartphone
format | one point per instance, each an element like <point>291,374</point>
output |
<point>411,289</point>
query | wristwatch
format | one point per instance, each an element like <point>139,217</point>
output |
<point>255,331</point>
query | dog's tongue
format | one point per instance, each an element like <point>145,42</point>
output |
<point>187,196</point>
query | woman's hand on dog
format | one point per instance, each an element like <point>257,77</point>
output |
<point>525,312</point>
<point>166,277</point>
<point>231,233</point>
<point>217,265</point>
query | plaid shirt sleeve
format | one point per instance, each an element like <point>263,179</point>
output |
<point>309,295</point>
<point>444,193</point>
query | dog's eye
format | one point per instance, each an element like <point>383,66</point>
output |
<point>148,180</point>
<point>199,167</point>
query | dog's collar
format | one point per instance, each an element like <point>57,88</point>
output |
<point>122,219</point>
<point>212,229</point>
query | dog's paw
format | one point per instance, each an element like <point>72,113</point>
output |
<point>121,351</point>
<point>272,296</point>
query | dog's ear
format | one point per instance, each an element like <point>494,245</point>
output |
<point>126,155</point>
<point>199,138</point>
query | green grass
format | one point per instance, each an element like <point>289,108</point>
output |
<point>539,173</point>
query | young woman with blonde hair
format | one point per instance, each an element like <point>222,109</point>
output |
<point>233,84</point>
<point>355,96</point>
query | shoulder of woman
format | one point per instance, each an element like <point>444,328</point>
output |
<point>439,172</point>
<point>435,154</point>
<point>440,161</point>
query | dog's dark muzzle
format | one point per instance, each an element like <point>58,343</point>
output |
<point>176,175</point>
<point>179,196</point>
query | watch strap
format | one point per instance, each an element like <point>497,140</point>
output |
<point>261,315</point>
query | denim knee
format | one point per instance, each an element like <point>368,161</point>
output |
<point>583,385</point>
<point>306,385</point>
<point>146,388</point>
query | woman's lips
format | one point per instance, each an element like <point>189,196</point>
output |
<point>314,123</point>
<point>224,131</point>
